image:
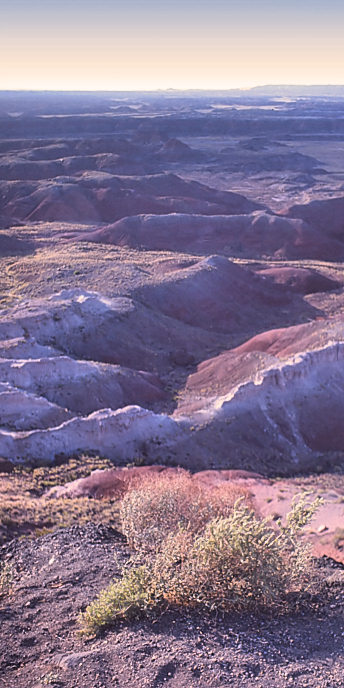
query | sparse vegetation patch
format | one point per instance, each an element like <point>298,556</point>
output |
<point>25,510</point>
<point>226,561</point>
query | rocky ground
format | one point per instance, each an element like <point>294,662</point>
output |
<point>55,576</point>
<point>54,569</point>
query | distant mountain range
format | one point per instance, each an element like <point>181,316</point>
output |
<point>275,91</point>
<point>317,91</point>
<point>272,90</point>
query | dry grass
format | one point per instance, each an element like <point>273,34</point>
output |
<point>161,504</point>
<point>24,509</point>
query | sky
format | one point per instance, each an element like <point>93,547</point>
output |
<point>151,44</point>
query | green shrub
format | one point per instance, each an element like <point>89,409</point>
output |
<point>123,598</point>
<point>237,562</point>
<point>232,562</point>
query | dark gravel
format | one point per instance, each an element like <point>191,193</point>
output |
<point>55,576</point>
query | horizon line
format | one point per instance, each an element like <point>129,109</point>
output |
<point>170,89</point>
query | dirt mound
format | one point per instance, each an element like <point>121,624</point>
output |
<point>57,334</point>
<point>124,110</point>
<point>107,483</point>
<point>115,481</point>
<point>63,380</point>
<point>25,348</point>
<point>53,151</point>
<point>252,159</point>
<point>14,168</point>
<point>215,294</point>
<point>49,201</point>
<point>103,197</point>
<point>255,235</point>
<point>285,417</point>
<point>213,477</point>
<point>174,150</point>
<point>128,333</point>
<point>325,215</point>
<point>218,375</point>
<point>287,341</point>
<point>300,280</point>
<point>96,144</point>
<point>126,434</point>
<point>23,410</point>
<point>180,317</point>
<point>55,202</point>
<point>281,390</point>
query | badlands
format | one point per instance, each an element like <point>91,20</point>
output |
<point>171,295</point>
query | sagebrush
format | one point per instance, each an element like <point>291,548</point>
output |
<point>163,504</point>
<point>236,562</point>
<point>229,560</point>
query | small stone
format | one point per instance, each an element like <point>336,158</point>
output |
<point>322,528</point>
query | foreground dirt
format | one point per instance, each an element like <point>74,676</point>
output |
<point>55,576</point>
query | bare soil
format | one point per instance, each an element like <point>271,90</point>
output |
<point>56,575</point>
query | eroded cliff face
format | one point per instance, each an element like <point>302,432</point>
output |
<point>86,325</point>
<point>290,413</point>
<point>120,435</point>
<point>246,408</point>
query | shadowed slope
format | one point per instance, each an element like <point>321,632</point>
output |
<point>254,235</point>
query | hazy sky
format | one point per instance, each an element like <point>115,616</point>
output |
<point>148,44</point>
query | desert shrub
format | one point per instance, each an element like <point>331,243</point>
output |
<point>237,562</point>
<point>233,562</point>
<point>163,504</point>
<point>123,598</point>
